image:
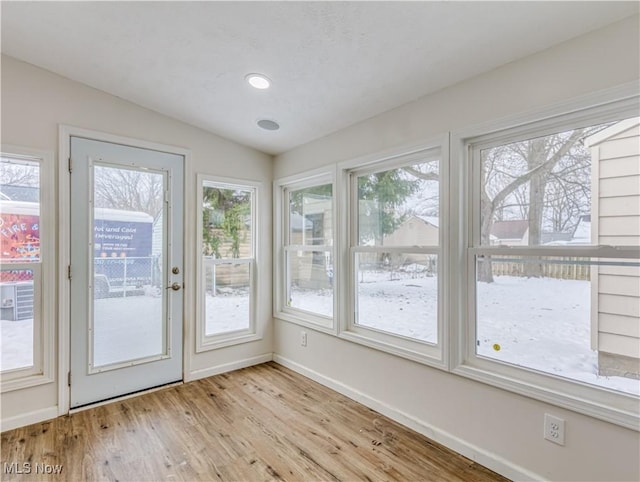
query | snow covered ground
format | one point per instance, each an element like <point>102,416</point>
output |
<point>400,303</point>
<point>541,324</point>
<point>17,344</point>
<point>227,311</point>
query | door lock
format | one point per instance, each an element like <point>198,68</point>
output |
<point>175,270</point>
<point>175,287</point>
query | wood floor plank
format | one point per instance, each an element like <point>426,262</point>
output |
<point>257,424</point>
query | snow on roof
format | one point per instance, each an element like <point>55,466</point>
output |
<point>20,193</point>
<point>513,229</point>
<point>19,207</point>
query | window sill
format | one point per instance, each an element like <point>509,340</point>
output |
<point>307,320</point>
<point>26,381</point>
<point>222,341</point>
<point>617,408</point>
<point>417,352</point>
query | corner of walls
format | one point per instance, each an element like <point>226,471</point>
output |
<point>228,367</point>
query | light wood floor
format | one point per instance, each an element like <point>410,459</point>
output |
<point>260,423</point>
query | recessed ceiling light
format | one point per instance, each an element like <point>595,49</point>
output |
<point>258,81</point>
<point>268,125</point>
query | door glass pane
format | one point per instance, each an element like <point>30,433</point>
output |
<point>19,259</point>
<point>129,321</point>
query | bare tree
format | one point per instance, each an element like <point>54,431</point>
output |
<point>568,195</point>
<point>130,190</point>
<point>17,173</point>
<point>511,170</point>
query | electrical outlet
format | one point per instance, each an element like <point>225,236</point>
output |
<point>554,429</point>
<point>303,338</point>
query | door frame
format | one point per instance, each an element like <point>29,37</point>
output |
<point>65,132</point>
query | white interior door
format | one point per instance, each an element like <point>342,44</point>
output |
<point>126,269</point>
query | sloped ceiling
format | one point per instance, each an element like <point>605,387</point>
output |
<point>332,63</point>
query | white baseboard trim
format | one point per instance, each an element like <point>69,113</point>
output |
<point>477,454</point>
<point>29,418</point>
<point>228,367</point>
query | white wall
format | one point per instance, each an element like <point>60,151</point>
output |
<point>498,428</point>
<point>35,102</point>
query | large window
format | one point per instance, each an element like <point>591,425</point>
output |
<point>554,252</point>
<point>305,280</point>
<point>26,286</point>
<point>309,250</point>
<point>515,263</point>
<point>227,234</point>
<point>395,238</point>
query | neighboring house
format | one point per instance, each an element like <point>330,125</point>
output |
<point>512,233</point>
<point>299,227</point>
<point>415,231</point>
<point>615,318</point>
<point>313,227</point>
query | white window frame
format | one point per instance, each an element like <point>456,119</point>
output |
<point>206,342</point>
<point>281,190</point>
<point>604,404</point>
<point>44,322</point>
<point>435,355</point>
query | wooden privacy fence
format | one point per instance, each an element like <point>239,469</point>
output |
<point>558,268</point>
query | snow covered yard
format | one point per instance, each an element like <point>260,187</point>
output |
<point>542,324</point>
<point>17,344</point>
<point>400,303</point>
<point>538,323</point>
<point>227,311</point>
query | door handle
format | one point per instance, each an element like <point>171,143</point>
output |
<point>175,287</point>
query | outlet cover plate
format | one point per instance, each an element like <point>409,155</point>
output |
<point>554,429</point>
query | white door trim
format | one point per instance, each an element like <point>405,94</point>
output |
<point>65,132</point>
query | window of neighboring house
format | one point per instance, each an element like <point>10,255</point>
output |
<point>308,252</point>
<point>227,232</point>
<point>26,286</point>
<point>555,258</point>
<point>396,256</point>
